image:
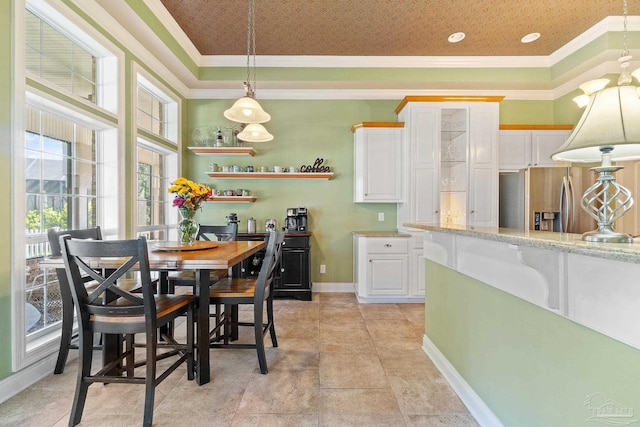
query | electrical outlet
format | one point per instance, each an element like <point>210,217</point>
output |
<point>380,216</point>
<point>323,268</point>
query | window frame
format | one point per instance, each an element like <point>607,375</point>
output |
<point>167,145</point>
<point>29,89</point>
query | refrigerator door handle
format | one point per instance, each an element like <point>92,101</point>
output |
<point>572,209</point>
<point>564,205</point>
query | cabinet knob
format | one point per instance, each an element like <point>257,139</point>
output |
<point>436,212</point>
<point>243,270</point>
<point>284,243</point>
<point>282,270</point>
<point>388,245</point>
<point>472,212</point>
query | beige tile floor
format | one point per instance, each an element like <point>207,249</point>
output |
<point>339,363</point>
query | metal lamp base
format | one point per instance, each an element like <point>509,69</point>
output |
<point>607,235</point>
<point>606,201</point>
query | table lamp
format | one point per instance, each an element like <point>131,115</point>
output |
<point>608,130</point>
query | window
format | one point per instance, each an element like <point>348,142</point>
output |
<point>154,177</point>
<point>157,157</point>
<point>60,182</point>
<point>53,57</point>
<point>67,159</point>
<point>157,112</point>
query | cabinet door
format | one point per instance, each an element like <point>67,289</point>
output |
<point>387,275</point>
<point>544,143</point>
<point>377,167</point>
<point>425,170</point>
<point>294,272</point>
<point>483,166</point>
<point>515,149</point>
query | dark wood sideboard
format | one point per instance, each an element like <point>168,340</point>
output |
<point>294,272</point>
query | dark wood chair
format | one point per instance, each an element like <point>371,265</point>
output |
<point>126,314</point>
<point>205,232</point>
<point>232,291</point>
<point>67,336</point>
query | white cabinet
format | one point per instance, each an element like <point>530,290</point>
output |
<point>377,162</point>
<point>520,149</point>
<point>450,159</point>
<point>381,267</point>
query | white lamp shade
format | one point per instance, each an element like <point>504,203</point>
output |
<point>611,119</point>
<point>255,132</point>
<point>247,110</point>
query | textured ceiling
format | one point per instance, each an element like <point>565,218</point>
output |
<point>389,27</point>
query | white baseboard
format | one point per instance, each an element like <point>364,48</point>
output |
<point>480,411</point>
<point>390,300</point>
<point>333,287</point>
<point>26,377</point>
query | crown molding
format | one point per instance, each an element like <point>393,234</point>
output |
<point>174,29</point>
<point>302,61</point>
<point>159,64</point>
<point>369,94</point>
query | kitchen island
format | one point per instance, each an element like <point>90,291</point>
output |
<point>534,328</point>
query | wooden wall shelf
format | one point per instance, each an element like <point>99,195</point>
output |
<point>236,199</point>
<point>236,151</point>
<point>270,175</point>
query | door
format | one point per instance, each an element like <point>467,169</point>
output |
<point>293,269</point>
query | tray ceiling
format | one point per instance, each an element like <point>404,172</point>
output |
<point>389,27</point>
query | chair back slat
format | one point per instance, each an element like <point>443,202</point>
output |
<point>271,260</point>
<point>223,233</point>
<point>53,235</point>
<point>132,257</point>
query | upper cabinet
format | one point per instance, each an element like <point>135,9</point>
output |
<point>522,146</point>
<point>450,160</point>
<point>377,165</point>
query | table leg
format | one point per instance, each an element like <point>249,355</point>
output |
<point>203,375</point>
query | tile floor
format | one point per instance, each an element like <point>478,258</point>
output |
<point>339,363</point>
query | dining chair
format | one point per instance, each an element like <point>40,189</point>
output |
<point>232,291</point>
<point>67,336</point>
<point>223,233</point>
<point>127,313</point>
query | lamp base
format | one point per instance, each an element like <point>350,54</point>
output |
<point>607,235</point>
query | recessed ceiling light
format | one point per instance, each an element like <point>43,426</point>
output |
<point>531,37</point>
<point>456,37</point>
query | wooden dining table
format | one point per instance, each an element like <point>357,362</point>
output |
<point>201,257</point>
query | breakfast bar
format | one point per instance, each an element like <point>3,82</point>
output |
<point>533,324</point>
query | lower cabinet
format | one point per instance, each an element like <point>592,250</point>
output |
<point>293,279</point>
<point>382,266</point>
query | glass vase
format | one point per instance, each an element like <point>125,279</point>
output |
<point>187,227</point>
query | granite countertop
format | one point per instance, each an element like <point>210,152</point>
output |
<point>563,242</point>
<point>393,233</point>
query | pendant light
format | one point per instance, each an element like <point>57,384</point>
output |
<point>255,132</point>
<point>247,110</point>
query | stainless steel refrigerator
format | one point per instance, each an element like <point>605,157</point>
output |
<point>545,199</point>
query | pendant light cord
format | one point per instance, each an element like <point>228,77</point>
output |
<point>250,84</point>
<point>625,52</point>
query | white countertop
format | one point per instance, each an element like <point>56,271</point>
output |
<point>563,242</point>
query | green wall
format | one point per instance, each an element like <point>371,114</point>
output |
<point>531,367</point>
<point>303,131</point>
<point>6,90</point>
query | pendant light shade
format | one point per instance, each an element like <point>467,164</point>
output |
<point>247,110</point>
<point>255,132</point>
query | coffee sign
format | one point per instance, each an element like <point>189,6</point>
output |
<point>317,167</point>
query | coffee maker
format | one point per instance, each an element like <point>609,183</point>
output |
<point>296,219</point>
